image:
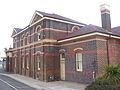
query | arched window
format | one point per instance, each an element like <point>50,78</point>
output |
<point>23,62</point>
<point>27,38</point>
<point>27,62</point>
<point>38,59</point>
<point>62,54</point>
<point>22,40</point>
<point>15,62</point>
<point>38,28</point>
<point>15,42</point>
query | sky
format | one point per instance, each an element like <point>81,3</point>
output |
<point>18,13</point>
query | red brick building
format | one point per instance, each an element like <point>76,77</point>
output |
<point>53,47</point>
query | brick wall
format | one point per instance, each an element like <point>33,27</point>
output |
<point>102,57</point>
<point>89,56</point>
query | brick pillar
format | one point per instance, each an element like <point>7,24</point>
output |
<point>101,56</point>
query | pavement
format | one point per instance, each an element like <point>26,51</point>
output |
<point>40,85</point>
<point>7,83</point>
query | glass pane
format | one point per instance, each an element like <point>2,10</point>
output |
<point>79,61</point>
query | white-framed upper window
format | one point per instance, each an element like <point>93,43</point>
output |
<point>38,62</point>
<point>39,35</point>
<point>27,60</point>
<point>79,66</point>
<point>38,28</point>
<point>27,38</point>
<point>23,62</point>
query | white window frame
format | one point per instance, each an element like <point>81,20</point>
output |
<point>79,66</point>
<point>27,60</point>
<point>23,62</point>
<point>61,56</point>
<point>39,35</point>
<point>38,62</point>
<point>15,62</point>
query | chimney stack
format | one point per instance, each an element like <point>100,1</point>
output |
<point>105,16</point>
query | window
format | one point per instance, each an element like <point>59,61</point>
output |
<point>15,42</point>
<point>15,62</point>
<point>62,56</point>
<point>23,62</point>
<point>79,62</point>
<point>27,38</point>
<point>38,28</point>
<point>22,40</point>
<point>39,35</point>
<point>27,62</point>
<point>38,62</point>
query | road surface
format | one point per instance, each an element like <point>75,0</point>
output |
<point>7,83</point>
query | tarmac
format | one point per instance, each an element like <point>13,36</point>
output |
<point>40,85</point>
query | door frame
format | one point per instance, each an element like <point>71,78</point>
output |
<point>62,66</point>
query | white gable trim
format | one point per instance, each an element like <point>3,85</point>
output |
<point>35,13</point>
<point>49,19</point>
<point>63,21</point>
<point>14,30</point>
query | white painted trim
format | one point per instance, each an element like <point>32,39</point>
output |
<point>82,41</point>
<point>49,19</point>
<point>116,37</point>
<point>37,42</point>
<point>37,28</point>
<point>35,13</point>
<point>62,50</point>
<point>74,27</point>
<point>63,21</point>
<point>87,35</point>
<point>77,49</point>
<point>39,52</point>
<point>28,27</point>
<point>105,12</point>
<point>39,14</point>
<point>14,30</point>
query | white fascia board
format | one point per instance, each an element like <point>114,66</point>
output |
<point>82,36</point>
<point>116,37</point>
<point>63,21</point>
<point>34,16</point>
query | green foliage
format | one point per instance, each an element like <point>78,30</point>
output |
<point>112,74</point>
<point>103,87</point>
<point>109,81</point>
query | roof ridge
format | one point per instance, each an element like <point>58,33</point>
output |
<point>57,16</point>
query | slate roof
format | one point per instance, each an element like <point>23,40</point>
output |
<point>56,16</point>
<point>91,29</point>
<point>116,30</point>
<point>52,16</point>
<point>16,30</point>
<point>86,29</point>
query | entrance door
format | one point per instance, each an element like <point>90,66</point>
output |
<point>62,66</point>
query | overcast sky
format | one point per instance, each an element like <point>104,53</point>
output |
<point>18,13</point>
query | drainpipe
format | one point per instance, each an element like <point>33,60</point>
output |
<point>107,43</point>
